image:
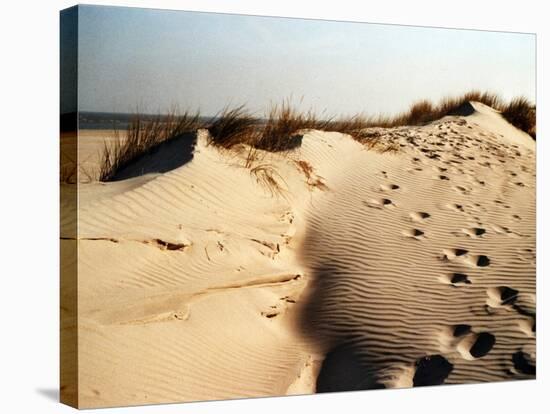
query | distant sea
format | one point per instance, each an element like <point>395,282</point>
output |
<point>111,120</point>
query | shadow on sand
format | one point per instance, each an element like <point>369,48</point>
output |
<point>353,360</point>
<point>162,158</point>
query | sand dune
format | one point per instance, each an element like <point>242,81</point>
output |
<point>360,270</point>
<point>432,252</point>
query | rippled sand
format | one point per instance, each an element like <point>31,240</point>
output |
<point>357,270</point>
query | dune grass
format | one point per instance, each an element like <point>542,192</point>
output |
<point>276,133</point>
<point>522,114</point>
<point>144,136</point>
<point>519,112</point>
<point>233,127</point>
<point>284,122</point>
<point>280,131</point>
<point>282,128</point>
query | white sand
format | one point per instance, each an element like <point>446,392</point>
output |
<point>202,283</point>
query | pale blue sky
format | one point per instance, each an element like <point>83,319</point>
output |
<point>152,59</point>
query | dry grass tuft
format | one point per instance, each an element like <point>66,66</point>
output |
<point>305,167</point>
<point>283,125</point>
<point>421,112</point>
<point>268,177</point>
<point>143,137</point>
<point>233,127</point>
<point>523,115</point>
<point>312,179</point>
<point>277,133</point>
<point>353,125</point>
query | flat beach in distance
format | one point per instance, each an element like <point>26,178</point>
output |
<point>213,271</point>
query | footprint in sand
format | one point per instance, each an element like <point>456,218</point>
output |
<point>474,345</point>
<point>379,203</point>
<point>451,254</point>
<point>524,364</point>
<point>455,279</point>
<point>461,190</point>
<point>474,232</point>
<point>389,187</point>
<point>469,344</point>
<point>455,207</point>
<point>431,370</point>
<point>465,257</point>
<point>414,234</point>
<point>481,261</point>
<point>419,217</point>
<point>502,297</point>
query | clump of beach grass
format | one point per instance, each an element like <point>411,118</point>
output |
<point>143,136</point>
<point>283,126</point>
<point>522,114</point>
<point>233,127</point>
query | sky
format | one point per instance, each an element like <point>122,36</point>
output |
<point>150,60</point>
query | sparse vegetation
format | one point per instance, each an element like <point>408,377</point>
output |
<point>281,130</point>
<point>519,112</point>
<point>424,111</point>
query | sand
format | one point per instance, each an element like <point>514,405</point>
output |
<point>359,270</point>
